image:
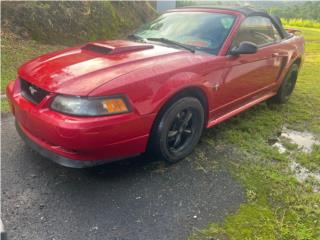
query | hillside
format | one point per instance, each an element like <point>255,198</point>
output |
<point>72,22</point>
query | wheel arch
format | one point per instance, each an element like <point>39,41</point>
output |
<point>298,61</point>
<point>189,91</point>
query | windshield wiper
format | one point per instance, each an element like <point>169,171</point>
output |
<point>136,37</point>
<point>168,41</point>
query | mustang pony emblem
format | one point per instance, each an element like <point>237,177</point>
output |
<point>32,90</point>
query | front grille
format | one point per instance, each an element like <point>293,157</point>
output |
<point>31,92</point>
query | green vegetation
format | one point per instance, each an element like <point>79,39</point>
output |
<point>297,10</point>
<point>307,10</point>
<point>277,205</point>
<point>299,22</point>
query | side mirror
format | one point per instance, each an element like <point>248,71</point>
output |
<point>244,48</point>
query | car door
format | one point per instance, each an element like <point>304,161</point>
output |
<point>249,76</point>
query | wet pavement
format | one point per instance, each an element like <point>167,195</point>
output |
<point>133,199</point>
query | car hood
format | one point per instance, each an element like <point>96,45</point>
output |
<point>79,70</point>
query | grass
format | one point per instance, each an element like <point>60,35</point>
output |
<point>14,52</point>
<point>277,205</point>
<point>299,22</point>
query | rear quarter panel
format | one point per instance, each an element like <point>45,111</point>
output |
<point>294,46</point>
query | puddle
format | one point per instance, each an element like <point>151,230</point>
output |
<point>301,174</point>
<point>280,147</point>
<point>305,140</point>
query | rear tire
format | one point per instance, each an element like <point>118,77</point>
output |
<point>287,86</point>
<point>177,130</point>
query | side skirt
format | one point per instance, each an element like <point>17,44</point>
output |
<point>239,110</point>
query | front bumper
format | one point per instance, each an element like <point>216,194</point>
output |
<point>67,162</point>
<point>78,141</point>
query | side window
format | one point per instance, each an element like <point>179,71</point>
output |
<point>258,30</point>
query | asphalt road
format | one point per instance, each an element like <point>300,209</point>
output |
<point>129,200</point>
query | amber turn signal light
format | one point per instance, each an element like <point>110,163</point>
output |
<point>115,105</point>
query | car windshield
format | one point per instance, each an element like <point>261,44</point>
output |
<point>201,31</point>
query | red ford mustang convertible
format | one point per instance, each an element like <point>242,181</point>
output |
<point>187,70</point>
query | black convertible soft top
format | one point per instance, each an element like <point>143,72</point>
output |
<point>250,11</point>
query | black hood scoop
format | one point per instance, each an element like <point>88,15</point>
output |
<point>98,49</point>
<point>115,47</point>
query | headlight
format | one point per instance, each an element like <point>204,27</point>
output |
<point>86,106</point>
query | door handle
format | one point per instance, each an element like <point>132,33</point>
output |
<point>279,54</point>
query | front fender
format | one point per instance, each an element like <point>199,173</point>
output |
<point>176,84</point>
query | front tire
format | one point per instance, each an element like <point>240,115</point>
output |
<point>287,86</point>
<point>177,129</point>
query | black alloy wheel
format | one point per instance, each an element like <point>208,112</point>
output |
<point>178,129</point>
